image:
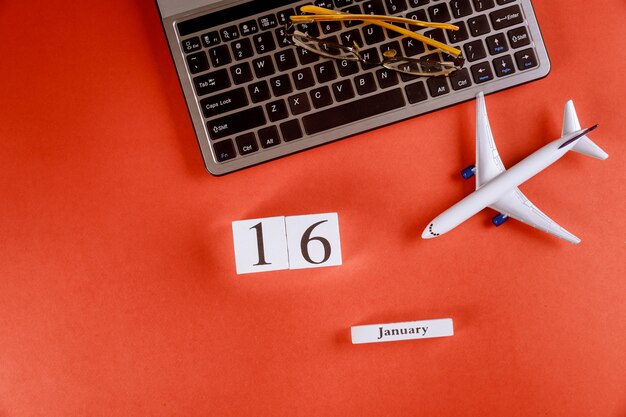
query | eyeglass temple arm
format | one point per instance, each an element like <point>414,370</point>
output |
<point>377,20</point>
<point>336,15</point>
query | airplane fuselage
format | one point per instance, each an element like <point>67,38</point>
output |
<point>493,190</point>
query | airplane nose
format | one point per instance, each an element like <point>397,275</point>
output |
<point>427,232</point>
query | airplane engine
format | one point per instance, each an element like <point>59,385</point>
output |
<point>499,219</point>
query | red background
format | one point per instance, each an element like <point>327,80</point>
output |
<point>118,292</point>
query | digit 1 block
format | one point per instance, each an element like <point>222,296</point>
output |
<point>260,245</point>
<point>313,240</point>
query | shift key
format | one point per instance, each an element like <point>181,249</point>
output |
<point>236,123</point>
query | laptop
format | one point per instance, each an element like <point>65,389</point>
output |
<point>253,96</point>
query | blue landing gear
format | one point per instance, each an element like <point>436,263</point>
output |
<point>499,219</point>
<point>469,172</point>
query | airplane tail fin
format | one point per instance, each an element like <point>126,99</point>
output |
<point>584,144</point>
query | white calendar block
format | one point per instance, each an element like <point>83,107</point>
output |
<point>313,240</point>
<point>260,245</point>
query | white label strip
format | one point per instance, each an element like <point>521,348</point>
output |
<point>424,329</point>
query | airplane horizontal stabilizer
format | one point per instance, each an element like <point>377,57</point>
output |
<point>584,145</point>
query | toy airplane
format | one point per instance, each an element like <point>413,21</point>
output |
<point>496,187</point>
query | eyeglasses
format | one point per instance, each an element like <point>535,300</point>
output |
<point>391,60</point>
<point>413,66</point>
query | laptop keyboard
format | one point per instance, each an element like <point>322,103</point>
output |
<point>254,97</point>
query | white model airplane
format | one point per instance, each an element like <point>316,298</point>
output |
<point>496,187</point>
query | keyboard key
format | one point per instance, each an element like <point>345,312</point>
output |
<point>268,22</point>
<point>353,111</point>
<point>303,78</point>
<point>482,72</point>
<point>343,3</point>
<point>519,37</point>
<point>416,92</point>
<point>224,150</point>
<point>246,143</point>
<point>506,17</point>
<point>460,79</point>
<point>211,82</point>
<point>259,91</point>
<point>224,102</point>
<point>284,15</point>
<point>285,60</point>
<point>191,45</point>
<point>242,49</point>
<point>263,66</point>
<point>299,104</point>
<point>236,123</point>
<point>330,27</point>
<point>370,55</point>
<point>343,90</point>
<point>320,97</point>
<point>264,42</point>
<point>349,37</point>
<point>460,8</point>
<point>418,15</point>
<point>395,45</point>
<point>365,83</point>
<point>219,55</point>
<point>325,71</point>
<point>437,86</point>
<point>291,130</point>
<point>396,6</point>
<point>460,35</point>
<point>268,137</point>
<point>282,38</point>
<point>496,44</point>
<point>326,4</point>
<point>501,2</point>
<point>374,7</point>
<point>373,34</point>
<point>417,3</point>
<point>526,59</point>
<point>354,9</point>
<point>197,62</point>
<point>439,13</point>
<point>276,110</point>
<point>347,67</point>
<point>281,85</point>
<point>229,33</point>
<point>435,34</point>
<point>211,38</point>
<point>412,47</point>
<point>481,5</point>
<point>306,57</point>
<point>248,28</point>
<point>504,66</point>
<point>241,73</point>
<point>474,51</point>
<point>478,25</point>
<point>387,78</point>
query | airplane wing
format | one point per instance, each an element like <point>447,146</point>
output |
<point>488,162</point>
<point>516,205</point>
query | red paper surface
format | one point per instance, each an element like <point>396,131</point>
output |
<point>118,292</point>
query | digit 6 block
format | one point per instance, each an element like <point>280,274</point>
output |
<point>313,240</point>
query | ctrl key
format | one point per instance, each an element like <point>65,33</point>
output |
<point>224,150</point>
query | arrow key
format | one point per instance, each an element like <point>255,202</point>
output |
<point>482,72</point>
<point>526,59</point>
<point>504,66</point>
<point>497,44</point>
